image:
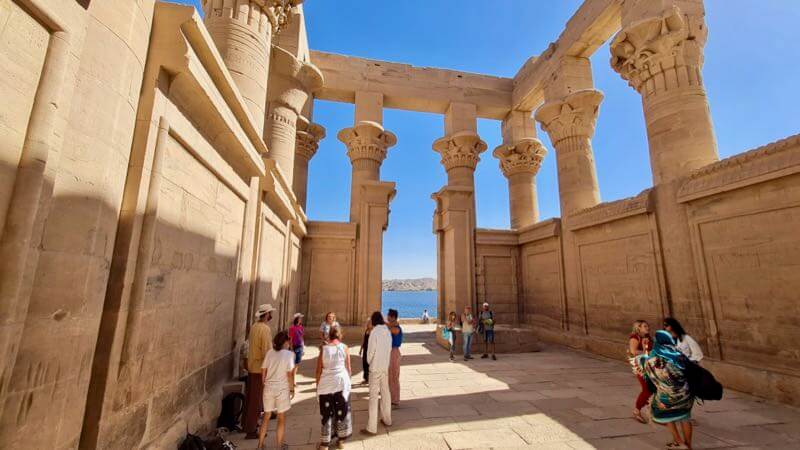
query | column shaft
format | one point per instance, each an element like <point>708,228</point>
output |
<point>522,200</point>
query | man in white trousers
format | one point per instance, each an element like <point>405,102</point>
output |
<point>378,354</point>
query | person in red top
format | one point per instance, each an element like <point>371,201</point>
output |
<point>639,343</point>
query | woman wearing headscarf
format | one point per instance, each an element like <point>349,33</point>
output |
<point>665,368</point>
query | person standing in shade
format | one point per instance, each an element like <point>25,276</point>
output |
<point>327,324</point>
<point>260,342</point>
<point>278,371</point>
<point>450,333</point>
<point>487,328</point>
<point>467,331</point>
<point>379,356</point>
<point>685,343</point>
<point>364,349</point>
<point>333,390</point>
<point>394,361</point>
<point>296,333</point>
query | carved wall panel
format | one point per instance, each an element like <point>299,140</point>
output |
<point>543,284</point>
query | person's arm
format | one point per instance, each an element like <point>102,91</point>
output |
<point>694,348</point>
<point>290,377</point>
<point>633,347</point>
<point>319,367</point>
<point>347,360</point>
<point>395,329</point>
<point>263,375</point>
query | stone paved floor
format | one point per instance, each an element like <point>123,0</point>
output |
<point>554,399</point>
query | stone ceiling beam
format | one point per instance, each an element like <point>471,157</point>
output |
<point>412,88</point>
<point>595,22</point>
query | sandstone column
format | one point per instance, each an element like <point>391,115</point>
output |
<point>367,146</point>
<point>454,219</point>
<point>660,53</point>
<point>291,83</point>
<point>521,156</point>
<point>242,31</point>
<point>307,143</point>
<point>569,116</point>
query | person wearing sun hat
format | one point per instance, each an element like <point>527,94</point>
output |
<point>260,343</point>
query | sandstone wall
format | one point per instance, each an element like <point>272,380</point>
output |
<point>497,260</point>
<point>541,275</point>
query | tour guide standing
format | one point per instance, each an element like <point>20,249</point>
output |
<point>467,330</point>
<point>394,361</point>
<point>378,356</point>
<point>260,343</point>
<point>487,328</point>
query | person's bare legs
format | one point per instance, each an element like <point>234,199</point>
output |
<point>281,431</point>
<point>262,431</point>
<point>676,436</point>
<point>686,425</point>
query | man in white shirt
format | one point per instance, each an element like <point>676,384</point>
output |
<point>378,354</point>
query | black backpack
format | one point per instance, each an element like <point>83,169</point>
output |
<point>702,383</point>
<point>192,442</point>
<point>232,408</point>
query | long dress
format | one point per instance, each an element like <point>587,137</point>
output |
<point>665,368</point>
<point>334,394</point>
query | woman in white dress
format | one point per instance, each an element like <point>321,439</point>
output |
<point>685,343</point>
<point>333,391</point>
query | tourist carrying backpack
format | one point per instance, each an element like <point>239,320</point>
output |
<point>486,328</point>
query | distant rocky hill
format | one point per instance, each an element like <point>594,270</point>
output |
<point>415,284</point>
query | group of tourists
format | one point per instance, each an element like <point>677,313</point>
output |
<point>272,361</point>
<point>662,364</point>
<point>468,323</point>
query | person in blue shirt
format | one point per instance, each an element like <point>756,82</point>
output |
<point>394,362</point>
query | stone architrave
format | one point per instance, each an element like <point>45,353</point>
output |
<point>367,146</point>
<point>660,54</point>
<point>243,32</point>
<point>570,122</point>
<point>520,162</point>
<point>291,83</point>
<point>307,142</point>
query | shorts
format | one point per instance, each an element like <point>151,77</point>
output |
<point>298,354</point>
<point>278,401</point>
<point>488,336</point>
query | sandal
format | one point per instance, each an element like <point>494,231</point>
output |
<point>637,415</point>
<point>676,446</point>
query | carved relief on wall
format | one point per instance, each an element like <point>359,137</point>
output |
<point>659,53</point>
<point>461,149</point>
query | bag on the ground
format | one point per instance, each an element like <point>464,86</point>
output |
<point>702,383</point>
<point>219,443</point>
<point>192,442</point>
<point>232,408</point>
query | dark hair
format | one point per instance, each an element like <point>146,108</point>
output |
<point>676,327</point>
<point>393,313</point>
<point>279,340</point>
<point>296,320</point>
<point>335,333</point>
<point>377,319</point>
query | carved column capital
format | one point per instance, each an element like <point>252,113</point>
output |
<point>573,116</point>
<point>659,53</point>
<point>292,80</point>
<point>460,149</point>
<point>278,12</point>
<point>524,156</point>
<point>308,137</point>
<point>367,140</point>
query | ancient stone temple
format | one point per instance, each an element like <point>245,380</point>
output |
<point>153,184</point>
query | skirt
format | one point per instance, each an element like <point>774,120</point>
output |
<point>337,420</point>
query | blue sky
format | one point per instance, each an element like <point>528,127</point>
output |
<point>752,65</point>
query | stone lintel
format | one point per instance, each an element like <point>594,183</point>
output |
<point>406,87</point>
<point>486,236</point>
<point>331,230</point>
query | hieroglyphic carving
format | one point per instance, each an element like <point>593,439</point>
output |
<point>520,157</point>
<point>611,211</point>
<point>461,149</point>
<point>367,140</point>
<point>659,53</point>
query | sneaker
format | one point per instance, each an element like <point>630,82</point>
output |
<point>494,357</point>
<point>484,356</point>
<point>468,357</point>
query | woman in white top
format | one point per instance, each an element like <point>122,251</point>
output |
<point>325,327</point>
<point>333,390</point>
<point>685,343</point>
<point>277,371</point>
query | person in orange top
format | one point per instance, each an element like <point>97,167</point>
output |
<point>260,342</point>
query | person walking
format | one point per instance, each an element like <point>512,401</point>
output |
<point>425,317</point>
<point>394,362</point>
<point>487,329</point>
<point>333,390</point>
<point>297,336</point>
<point>467,331</point>
<point>685,343</point>
<point>325,327</point>
<point>379,356</point>
<point>278,370</point>
<point>259,343</point>
<point>450,333</point>
<point>639,343</point>
<point>363,351</point>
<point>665,368</point>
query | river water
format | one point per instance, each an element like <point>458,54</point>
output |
<point>410,304</point>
